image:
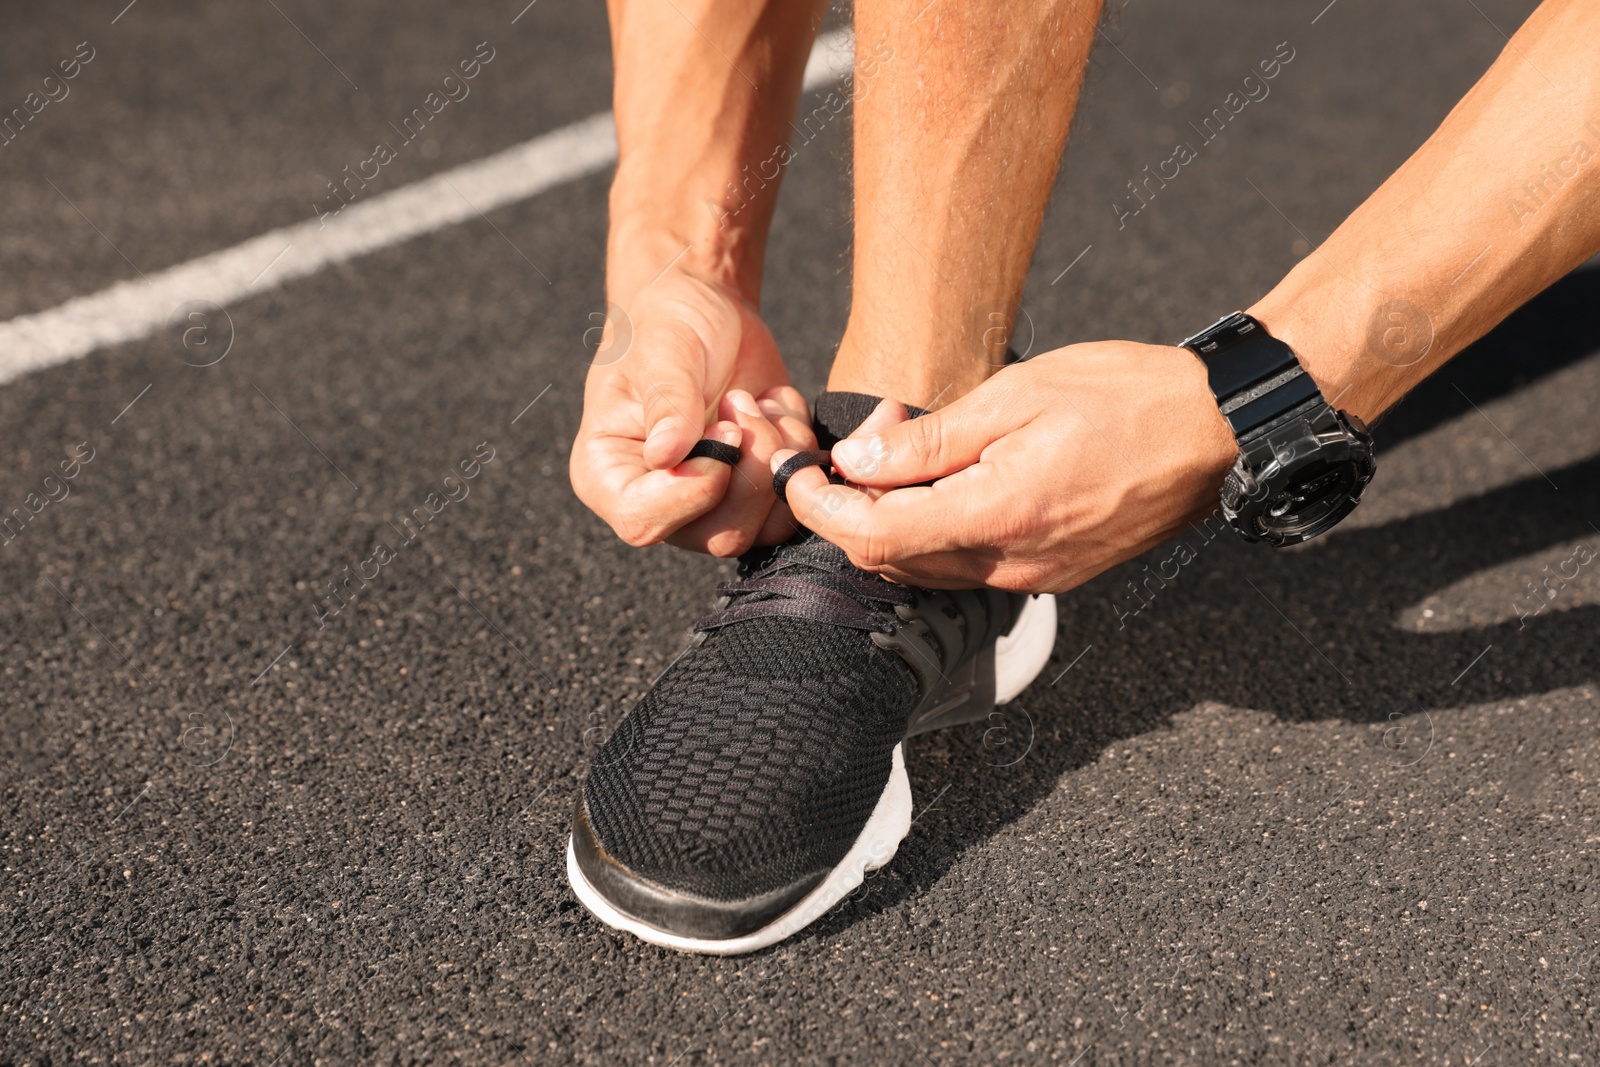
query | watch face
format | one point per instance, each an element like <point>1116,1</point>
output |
<point>1299,482</point>
<point>1314,495</point>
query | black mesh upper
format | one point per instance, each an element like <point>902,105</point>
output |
<point>757,757</point>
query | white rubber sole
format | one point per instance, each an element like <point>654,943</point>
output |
<point>1019,657</point>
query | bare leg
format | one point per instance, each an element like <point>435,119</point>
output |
<point>962,112</point>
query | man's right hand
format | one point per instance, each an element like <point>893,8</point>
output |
<point>690,359</point>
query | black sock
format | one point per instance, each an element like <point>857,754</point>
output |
<point>838,415</point>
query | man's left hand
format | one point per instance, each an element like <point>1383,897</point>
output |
<point>1050,472</point>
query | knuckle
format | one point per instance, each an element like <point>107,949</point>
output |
<point>703,495</point>
<point>874,549</point>
<point>635,534</point>
<point>670,396</point>
<point>1032,513</point>
<point>638,529</point>
<point>578,475</point>
<point>926,439</point>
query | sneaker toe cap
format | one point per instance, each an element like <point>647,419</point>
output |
<point>675,911</point>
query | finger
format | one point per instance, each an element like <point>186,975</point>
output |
<point>797,436</point>
<point>888,413</point>
<point>900,525</point>
<point>789,400</point>
<point>673,391</point>
<point>948,569</point>
<point>732,526</point>
<point>944,570</point>
<point>647,506</point>
<point>724,432</point>
<point>922,449</point>
<point>842,514</point>
<point>796,429</point>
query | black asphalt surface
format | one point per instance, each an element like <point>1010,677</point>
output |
<point>1330,805</point>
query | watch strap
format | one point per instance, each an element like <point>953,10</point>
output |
<point>1255,377</point>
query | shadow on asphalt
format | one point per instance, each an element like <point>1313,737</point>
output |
<point>1315,639</point>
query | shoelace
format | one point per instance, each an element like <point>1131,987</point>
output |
<point>807,587</point>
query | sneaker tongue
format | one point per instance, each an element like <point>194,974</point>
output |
<point>838,415</point>
<point>805,546</point>
<point>810,546</point>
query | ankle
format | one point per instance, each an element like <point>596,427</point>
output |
<point>916,374</point>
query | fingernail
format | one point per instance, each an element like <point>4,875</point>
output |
<point>772,409</point>
<point>780,457</point>
<point>730,435</point>
<point>744,402</point>
<point>858,455</point>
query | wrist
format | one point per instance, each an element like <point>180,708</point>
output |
<point>649,235</point>
<point>1215,447</point>
<point>1363,348</point>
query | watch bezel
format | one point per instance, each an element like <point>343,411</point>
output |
<point>1269,463</point>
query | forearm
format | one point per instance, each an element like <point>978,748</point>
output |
<point>959,129</point>
<point>705,91</point>
<point>1500,202</point>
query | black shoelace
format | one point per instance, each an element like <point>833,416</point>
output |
<point>806,580</point>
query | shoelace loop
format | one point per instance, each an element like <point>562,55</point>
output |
<point>799,462</point>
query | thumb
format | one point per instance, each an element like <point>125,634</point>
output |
<point>671,383</point>
<point>931,446</point>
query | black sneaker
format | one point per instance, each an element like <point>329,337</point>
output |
<point>762,776</point>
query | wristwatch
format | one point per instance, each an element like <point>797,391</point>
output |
<point>1302,464</point>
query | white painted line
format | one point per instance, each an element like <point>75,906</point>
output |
<point>131,310</point>
<point>268,267</point>
<point>503,237</point>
